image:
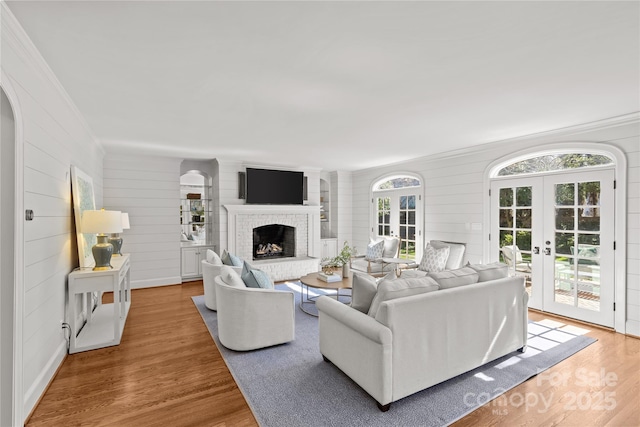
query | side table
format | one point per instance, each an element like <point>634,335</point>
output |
<point>104,323</point>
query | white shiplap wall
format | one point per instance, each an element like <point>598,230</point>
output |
<point>148,189</point>
<point>55,137</point>
<point>454,195</point>
<point>342,207</point>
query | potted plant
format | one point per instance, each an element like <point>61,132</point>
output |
<point>344,258</point>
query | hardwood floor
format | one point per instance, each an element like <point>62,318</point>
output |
<point>168,371</point>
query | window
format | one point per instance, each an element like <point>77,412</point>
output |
<point>555,162</point>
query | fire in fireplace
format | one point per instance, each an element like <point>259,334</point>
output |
<point>274,240</point>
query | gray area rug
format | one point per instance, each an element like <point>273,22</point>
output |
<point>290,385</point>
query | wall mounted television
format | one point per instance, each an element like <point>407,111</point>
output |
<point>274,187</point>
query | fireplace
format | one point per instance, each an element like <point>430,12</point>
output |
<point>274,241</point>
<point>303,223</point>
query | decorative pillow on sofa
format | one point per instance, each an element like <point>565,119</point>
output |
<point>254,278</point>
<point>434,259</point>
<point>454,278</point>
<point>231,278</point>
<point>375,250</point>
<point>456,253</point>
<point>364,288</point>
<point>213,258</point>
<point>398,288</point>
<point>495,270</point>
<point>228,259</point>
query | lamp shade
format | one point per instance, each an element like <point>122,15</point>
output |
<point>125,221</point>
<point>101,221</point>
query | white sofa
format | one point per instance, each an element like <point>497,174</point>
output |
<point>415,342</point>
<point>252,318</point>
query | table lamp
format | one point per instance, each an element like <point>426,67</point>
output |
<point>101,222</point>
<point>115,239</point>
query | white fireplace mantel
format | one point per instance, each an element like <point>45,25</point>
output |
<point>262,209</point>
<point>237,222</point>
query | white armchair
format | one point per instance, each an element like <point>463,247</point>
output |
<point>209,272</point>
<point>513,258</point>
<point>377,267</point>
<point>252,318</point>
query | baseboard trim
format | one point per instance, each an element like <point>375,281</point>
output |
<point>43,381</point>
<point>153,283</point>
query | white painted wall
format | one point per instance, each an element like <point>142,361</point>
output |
<point>342,207</point>
<point>454,195</point>
<point>55,137</point>
<point>7,259</point>
<point>148,188</point>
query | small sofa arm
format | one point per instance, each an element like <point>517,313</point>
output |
<point>358,345</point>
<point>354,319</point>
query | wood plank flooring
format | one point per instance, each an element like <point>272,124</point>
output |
<point>168,371</point>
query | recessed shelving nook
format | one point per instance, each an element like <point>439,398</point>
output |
<point>195,222</point>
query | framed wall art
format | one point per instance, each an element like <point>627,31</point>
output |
<point>83,199</point>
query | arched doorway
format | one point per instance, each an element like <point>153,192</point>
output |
<point>11,260</point>
<point>397,211</point>
<point>553,220</point>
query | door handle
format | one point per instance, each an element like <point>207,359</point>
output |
<point>547,251</point>
<point>536,250</point>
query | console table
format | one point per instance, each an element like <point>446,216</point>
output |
<point>105,322</point>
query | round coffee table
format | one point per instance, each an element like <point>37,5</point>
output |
<point>312,280</point>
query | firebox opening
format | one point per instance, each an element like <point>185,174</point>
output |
<point>274,241</point>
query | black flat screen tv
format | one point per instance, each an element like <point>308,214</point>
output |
<point>274,187</point>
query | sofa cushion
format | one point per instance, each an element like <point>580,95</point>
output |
<point>375,249</point>
<point>495,270</point>
<point>434,259</point>
<point>456,253</point>
<point>364,288</point>
<point>231,277</point>
<point>454,278</point>
<point>254,278</point>
<point>213,258</point>
<point>398,288</point>
<point>410,274</point>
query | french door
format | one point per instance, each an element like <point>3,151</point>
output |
<point>559,230</point>
<point>397,213</point>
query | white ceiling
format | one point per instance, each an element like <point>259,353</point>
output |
<point>336,85</point>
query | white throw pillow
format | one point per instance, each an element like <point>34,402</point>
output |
<point>454,278</point>
<point>434,259</point>
<point>456,253</point>
<point>390,247</point>
<point>375,250</point>
<point>493,271</point>
<point>364,288</point>
<point>399,288</point>
<point>231,277</point>
<point>213,258</point>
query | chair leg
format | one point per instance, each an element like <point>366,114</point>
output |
<point>325,359</point>
<point>522,349</point>
<point>384,408</point>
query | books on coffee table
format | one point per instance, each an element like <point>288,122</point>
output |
<point>329,278</point>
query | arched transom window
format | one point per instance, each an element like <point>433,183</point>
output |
<point>554,163</point>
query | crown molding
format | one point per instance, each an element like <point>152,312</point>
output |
<point>610,122</point>
<point>16,36</point>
